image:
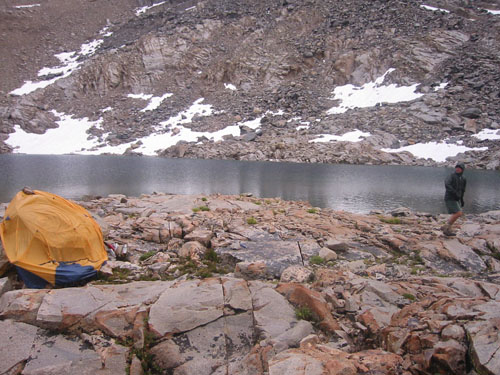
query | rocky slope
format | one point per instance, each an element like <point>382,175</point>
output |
<point>241,285</point>
<point>281,56</point>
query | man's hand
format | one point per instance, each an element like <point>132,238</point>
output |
<point>462,203</point>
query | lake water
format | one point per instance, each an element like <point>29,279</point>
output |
<point>354,188</point>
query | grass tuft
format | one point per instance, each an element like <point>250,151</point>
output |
<point>251,221</point>
<point>316,259</point>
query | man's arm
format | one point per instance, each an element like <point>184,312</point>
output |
<point>463,192</point>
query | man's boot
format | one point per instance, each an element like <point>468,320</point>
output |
<point>447,230</point>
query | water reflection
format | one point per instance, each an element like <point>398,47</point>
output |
<point>347,187</point>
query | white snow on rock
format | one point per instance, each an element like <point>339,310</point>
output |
<point>352,136</point>
<point>437,151</point>
<point>371,94</point>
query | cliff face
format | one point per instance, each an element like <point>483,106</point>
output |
<point>277,62</point>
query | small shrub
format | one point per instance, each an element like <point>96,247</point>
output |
<point>204,199</point>
<point>312,211</point>
<point>121,274</point>
<point>305,313</point>
<point>204,273</point>
<point>211,255</point>
<point>316,259</point>
<point>147,255</point>
<point>416,259</point>
<point>148,277</point>
<point>201,208</point>
<point>251,221</point>
<point>409,296</point>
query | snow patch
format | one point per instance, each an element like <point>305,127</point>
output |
<point>428,7</point>
<point>143,10</point>
<point>26,6</point>
<point>488,134</point>
<point>441,86</point>
<point>494,12</point>
<point>371,94</point>
<point>69,63</point>
<point>230,86</point>
<point>437,151</point>
<point>69,137</point>
<point>352,136</point>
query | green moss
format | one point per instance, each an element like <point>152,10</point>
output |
<point>391,220</point>
<point>409,296</point>
<point>312,211</point>
<point>251,221</point>
<point>204,199</point>
<point>201,208</point>
<point>147,255</point>
<point>316,259</point>
<point>148,277</point>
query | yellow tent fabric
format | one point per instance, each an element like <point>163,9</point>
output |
<point>48,235</point>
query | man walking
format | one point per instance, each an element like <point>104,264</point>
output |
<point>454,197</point>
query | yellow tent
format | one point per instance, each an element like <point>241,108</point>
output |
<point>51,240</point>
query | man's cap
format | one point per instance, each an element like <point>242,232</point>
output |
<point>460,165</point>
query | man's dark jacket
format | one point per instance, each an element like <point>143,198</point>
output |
<point>455,187</point>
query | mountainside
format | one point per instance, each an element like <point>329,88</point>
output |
<point>253,80</point>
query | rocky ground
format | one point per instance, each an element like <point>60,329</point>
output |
<point>280,55</point>
<point>241,285</point>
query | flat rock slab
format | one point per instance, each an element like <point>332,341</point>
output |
<point>272,312</point>
<point>485,338</point>
<point>464,255</point>
<point>209,347</point>
<point>187,305</point>
<point>232,204</point>
<point>276,255</point>
<point>214,323</point>
<point>33,350</point>
<point>182,204</point>
<point>17,340</point>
